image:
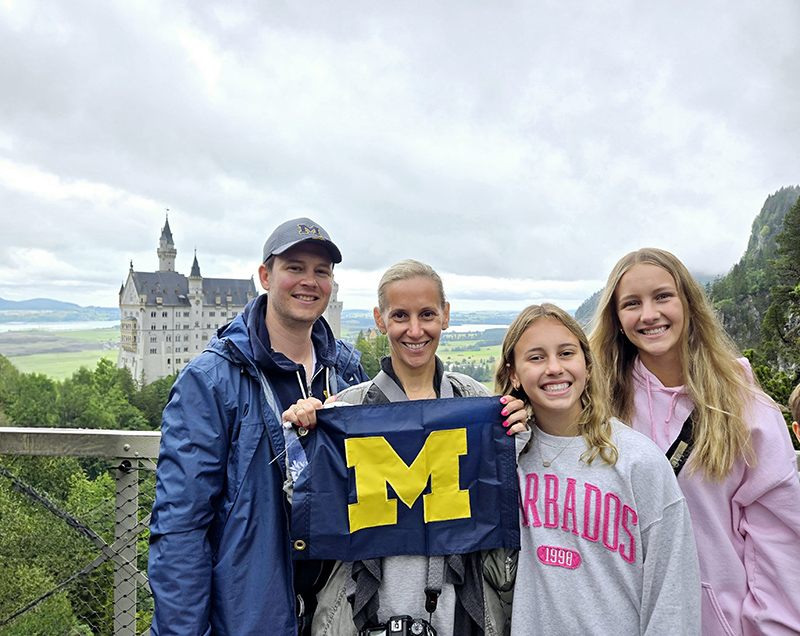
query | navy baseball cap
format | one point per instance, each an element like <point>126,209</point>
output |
<point>302,230</point>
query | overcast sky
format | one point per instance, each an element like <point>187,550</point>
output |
<point>521,148</point>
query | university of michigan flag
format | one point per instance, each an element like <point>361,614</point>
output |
<point>421,477</point>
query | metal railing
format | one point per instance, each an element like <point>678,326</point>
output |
<point>106,593</point>
<point>94,580</point>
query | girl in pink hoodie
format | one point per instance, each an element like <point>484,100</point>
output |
<point>665,357</point>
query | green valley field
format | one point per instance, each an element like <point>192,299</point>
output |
<point>58,354</point>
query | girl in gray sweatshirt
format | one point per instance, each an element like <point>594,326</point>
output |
<point>607,543</point>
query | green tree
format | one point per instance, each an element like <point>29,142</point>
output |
<point>100,399</point>
<point>34,404</point>
<point>369,361</point>
<point>781,326</point>
<point>152,398</point>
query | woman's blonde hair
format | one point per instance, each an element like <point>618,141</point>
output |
<point>711,375</point>
<point>593,423</point>
<point>404,270</point>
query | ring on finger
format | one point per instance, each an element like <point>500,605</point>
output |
<point>297,409</point>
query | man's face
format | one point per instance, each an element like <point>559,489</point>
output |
<point>299,284</point>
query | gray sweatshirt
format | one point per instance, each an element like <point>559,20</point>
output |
<point>605,549</point>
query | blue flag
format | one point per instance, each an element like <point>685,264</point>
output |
<point>426,477</point>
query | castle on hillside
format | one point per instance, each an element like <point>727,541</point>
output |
<point>166,318</point>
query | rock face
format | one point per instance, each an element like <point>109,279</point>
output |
<point>742,297</point>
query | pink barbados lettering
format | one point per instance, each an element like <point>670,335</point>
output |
<point>551,501</point>
<point>591,514</point>
<point>628,512</point>
<point>570,511</point>
<point>611,528</point>
<point>529,502</point>
<point>594,515</point>
<point>560,557</point>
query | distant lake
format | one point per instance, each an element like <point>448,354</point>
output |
<point>59,326</point>
<point>468,328</point>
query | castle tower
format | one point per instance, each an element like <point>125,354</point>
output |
<point>195,279</point>
<point>166,250</point>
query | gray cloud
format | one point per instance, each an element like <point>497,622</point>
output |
<point>531,142</point>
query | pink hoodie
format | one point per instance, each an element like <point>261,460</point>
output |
<point>747,527</point>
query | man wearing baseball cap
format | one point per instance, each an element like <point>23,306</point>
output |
<point>220,546</point>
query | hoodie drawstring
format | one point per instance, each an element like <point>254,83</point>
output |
<point>670,411</point>
<point>650,404</point>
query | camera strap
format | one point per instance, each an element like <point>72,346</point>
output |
<point>394,393</point>
<point>682,447</point>
<point>433,586</point>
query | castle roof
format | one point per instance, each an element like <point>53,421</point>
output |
<point>166,233</point>
<point>173,289</point>
<point>195,273</point>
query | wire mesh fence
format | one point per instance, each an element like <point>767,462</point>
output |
<point>73,541</point>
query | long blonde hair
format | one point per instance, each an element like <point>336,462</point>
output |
<point>593,422</point>
<point>713,379</point>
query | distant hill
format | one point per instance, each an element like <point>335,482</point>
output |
<point>742,296</point>
<point>48,310</point>
<point>37,304</point>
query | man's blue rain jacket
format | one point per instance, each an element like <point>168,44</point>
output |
<point>220,547</point>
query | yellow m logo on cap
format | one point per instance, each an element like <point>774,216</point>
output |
<point>310,230</point>
<point>377,464</point>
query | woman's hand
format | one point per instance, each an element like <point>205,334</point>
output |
<point>515,413</point>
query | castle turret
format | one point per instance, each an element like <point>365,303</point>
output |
<point>195,279</point>
<point>166,250</point>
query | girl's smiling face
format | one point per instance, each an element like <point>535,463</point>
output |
<point>651,313</point>
<point>550,366</point>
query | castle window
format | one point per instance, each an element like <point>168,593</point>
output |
<point>153,327</point>
<point>186,348</point>
<point>153,350</point>
<point>212,313</point>
<point>164,327</point>
<point>169,361</point>
<point>153,314</point>
<point>164,314</point>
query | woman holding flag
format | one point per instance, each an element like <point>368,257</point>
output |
<point>412,311</point>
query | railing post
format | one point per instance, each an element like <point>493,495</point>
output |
<point>126,478</point>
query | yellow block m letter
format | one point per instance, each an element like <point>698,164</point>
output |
<point>377,464</point>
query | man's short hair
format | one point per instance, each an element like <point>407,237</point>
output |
<point>794,403</point>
